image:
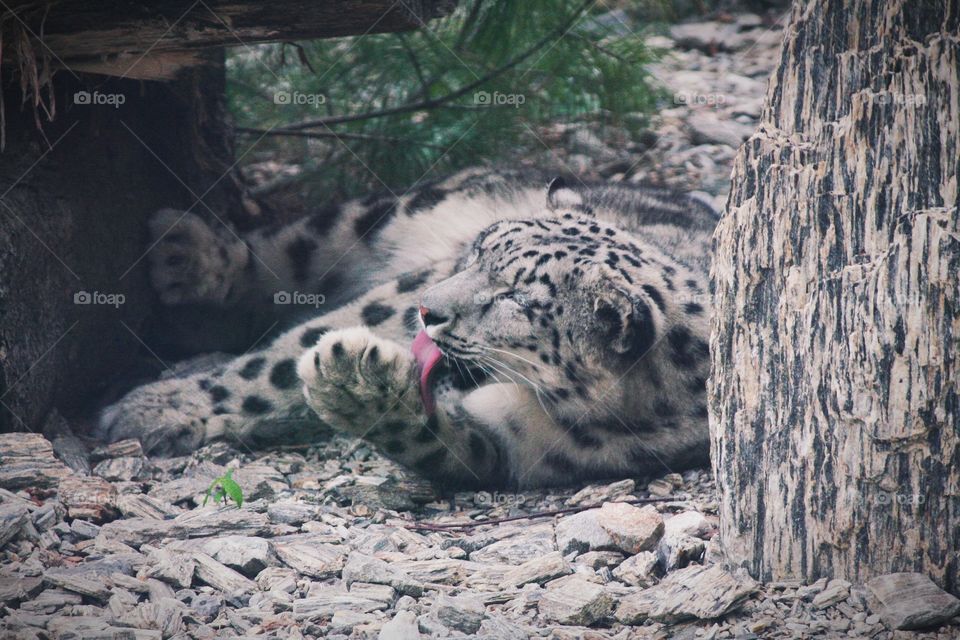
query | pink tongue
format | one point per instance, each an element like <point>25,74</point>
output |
<point>427,354</point>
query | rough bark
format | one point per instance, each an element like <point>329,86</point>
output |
<point>156,40</point>
<point>834,397</point>
<point>73,219</point>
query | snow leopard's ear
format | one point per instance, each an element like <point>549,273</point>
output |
<point>561,196</point>
<point>624,323</point>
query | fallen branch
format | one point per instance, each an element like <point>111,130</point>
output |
<point>426,526</point>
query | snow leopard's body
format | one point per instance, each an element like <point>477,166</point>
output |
<point>574,325</point>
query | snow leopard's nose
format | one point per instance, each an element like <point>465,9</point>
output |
<point>431,318</point>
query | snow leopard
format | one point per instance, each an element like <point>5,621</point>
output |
<point>488,329</point>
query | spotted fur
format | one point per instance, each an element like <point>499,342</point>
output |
<point>574,330</point>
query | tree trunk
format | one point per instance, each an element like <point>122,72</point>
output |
<point>836,342</point>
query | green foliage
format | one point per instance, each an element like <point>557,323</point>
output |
<point>223,488</point>
<point>563,60</point>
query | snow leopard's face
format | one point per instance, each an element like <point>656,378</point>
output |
<point>556,303</point>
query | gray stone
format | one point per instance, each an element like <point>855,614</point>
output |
<point>837,590</point>
<point>461,613</point>
<point>234,585</point>
<point>317,560</point>
<point>379,592</point>
<point>327,603</point>
<point>582,532</point>
<point>13,517</point>
<point>534,541</point>
<point>638,570</point>
<point>539,570</point>
<point>706,127</point>
<point>911,601</point>
<point>402,627</point>
<point>696,592</point>
<point>576,602</point>
<point>247,554</point>
<point>631,529</point>
<point>120,469</point>
<point>363,568</point>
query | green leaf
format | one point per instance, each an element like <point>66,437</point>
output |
<point>232,488</point>
<point>222,488</point>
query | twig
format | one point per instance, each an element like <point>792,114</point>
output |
<point>426,526</point>
<point>462,91</point>
<point>332,134</point>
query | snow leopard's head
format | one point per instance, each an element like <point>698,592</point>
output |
<point>566,304</point>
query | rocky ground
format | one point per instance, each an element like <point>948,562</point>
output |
<point>336,542</point>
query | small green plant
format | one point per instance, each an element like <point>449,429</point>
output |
<point>223,488</point>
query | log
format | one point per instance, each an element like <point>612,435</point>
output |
<point>157,41</point>
<point>835,411</point>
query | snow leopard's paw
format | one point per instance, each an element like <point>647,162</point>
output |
<point>169,417</point>
<point>359,382</point>
<point>190,262</point>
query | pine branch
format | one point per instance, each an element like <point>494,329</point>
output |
<point>333,134</point>
<point>432,103</point>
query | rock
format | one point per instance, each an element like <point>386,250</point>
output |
<point>402,627</point>
<point>532,542</point>
<point>247,554</point>
<point>120,469</point>
<point>83,582</point>
<point>317,560</point>
<point>277,579</point>
<point>84,529</point>
<point>327,603</point>
<point>691,523</point>
<point>344,621</point>
<point>539,570</point>
<point>575,601</point>
<point>631,529</point>
<point>67,447</point>
<point>27,461</point>
<point>677,550</point>
<point>13,517</point>
<point>911,601</point>
<point>295,513</point>
<point>638,570</point>
<point>198,523</point>
<point>837,590</point>
<point>660,488</point>
<point>234,586</point>
<point>596,494</point>
<point>696,592</point>
<point>615,526</point>
<point>581,532</point>
<point>706,127</point>
<point>379,592</point>
<point>600,559</point>
<point>88,498</point>
<point>363,568</point>
<point>137,505</point>
<point>174,568</point>
<point>461,613</point>
<point>22,588</point>
<point>130,448</point>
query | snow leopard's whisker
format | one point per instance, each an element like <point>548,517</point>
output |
<point>519,357</point>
